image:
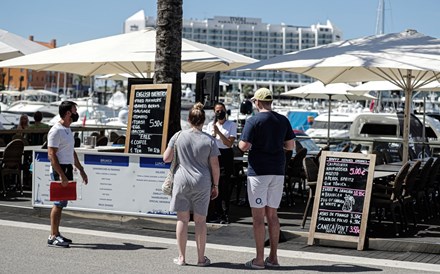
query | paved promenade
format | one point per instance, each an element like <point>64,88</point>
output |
<point>419,251</point>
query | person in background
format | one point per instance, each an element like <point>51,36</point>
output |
<point>266,136</point>
<point>24,122</point>
<point>196,181</point>
<point>62,157</point>
<point>225,133</point>
<point>38,117</point>
<point>37,138</point>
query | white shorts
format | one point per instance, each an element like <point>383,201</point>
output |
<point>265,190</point>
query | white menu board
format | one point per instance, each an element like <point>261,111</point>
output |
<point>118,183</point>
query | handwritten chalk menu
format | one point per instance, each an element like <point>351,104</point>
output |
<point>342,197</point>
<point>148,117</point>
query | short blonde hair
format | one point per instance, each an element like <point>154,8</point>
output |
<point>196,115</point>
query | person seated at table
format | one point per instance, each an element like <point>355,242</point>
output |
<point>37,138</point>
<point>23,123</point>
<point>38,117</point>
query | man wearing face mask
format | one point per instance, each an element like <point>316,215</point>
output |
<point>225,133</point>
<point>62,156</point>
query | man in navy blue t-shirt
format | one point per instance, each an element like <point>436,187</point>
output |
<point>266,135</point>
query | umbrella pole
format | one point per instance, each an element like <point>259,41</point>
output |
<point>328,124</point>
<point>424,128</point>
<point>406,117</point>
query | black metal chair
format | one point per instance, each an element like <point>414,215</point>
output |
<point>346,148</point>
<point>298,145</point>
<point>120,140</point>
<point>11,166</point>
<point>431,188</point>
<point>408,200</point>
<point>113,136</point>
<point>295,175</point>
<point>77,142</point>
<point>357,148</point>
<point>238,177</point>
<point>422,204</point>
<point>389,196</point>
<point>102,141</point>
<point>311,171</point>
<point>380,157</point>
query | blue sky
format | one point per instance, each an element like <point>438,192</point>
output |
<point>81,20</point>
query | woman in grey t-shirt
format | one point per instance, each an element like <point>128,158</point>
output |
<point>195,181</point>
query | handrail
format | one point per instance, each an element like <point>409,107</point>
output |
<point>45,130</point>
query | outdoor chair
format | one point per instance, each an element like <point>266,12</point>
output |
<point>311,172</point>
<point>294,174</point>
<point>113,136</point>
<point>422,205</point>
<point>20,137</point>
<point>11,166</point>
<point>346,148</point>
<point>388,197</point>
<point>318,156</point>
<point>102,141</point>
<point>408,200</point>
<point>120,140</point>
<point>298,145</point>
<point>238,177</point>
<point>387,156</point>
<point>411,153</point>
<point>77,142</point>
<point>431,188</point>
<point>357,148</point>
<point>380,158</point>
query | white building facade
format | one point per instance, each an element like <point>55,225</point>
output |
<point>253,38</point>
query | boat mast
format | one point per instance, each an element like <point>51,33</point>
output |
<point>380,29</point>
<point>380,19</point>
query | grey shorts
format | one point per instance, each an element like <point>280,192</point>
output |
<point>188,198</point>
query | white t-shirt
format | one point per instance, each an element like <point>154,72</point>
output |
<point>62,138</point>
<point>229,129</point>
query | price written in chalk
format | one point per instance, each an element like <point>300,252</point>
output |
<point>357,171</point>
<point>354,229</point>
<point>156,123</point>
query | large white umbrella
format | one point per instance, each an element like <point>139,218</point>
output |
<point>408,59</point>
<point>12,45</point>
<point>131,53</point>
<point>337,91</point>
<point>186,78</point>
<point>385,85</point>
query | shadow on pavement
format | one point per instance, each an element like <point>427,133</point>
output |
<point>336,268</point>
<point>125,246</point>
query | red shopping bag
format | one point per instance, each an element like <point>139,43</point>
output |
<point>61,193</point>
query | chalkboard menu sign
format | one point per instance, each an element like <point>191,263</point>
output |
<point>148,117</point>
<point>342,197</point>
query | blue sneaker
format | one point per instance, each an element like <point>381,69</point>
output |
<point>57,242</point>
<point>65,239</point>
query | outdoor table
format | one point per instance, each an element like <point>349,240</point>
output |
<point>102,149</point>
<point>400,163</point>
<point>388,167</point>
<point>383,174</point>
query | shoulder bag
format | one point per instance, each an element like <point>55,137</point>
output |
<point>167,186</point>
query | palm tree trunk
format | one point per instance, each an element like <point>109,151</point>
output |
<point>168,55</point>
